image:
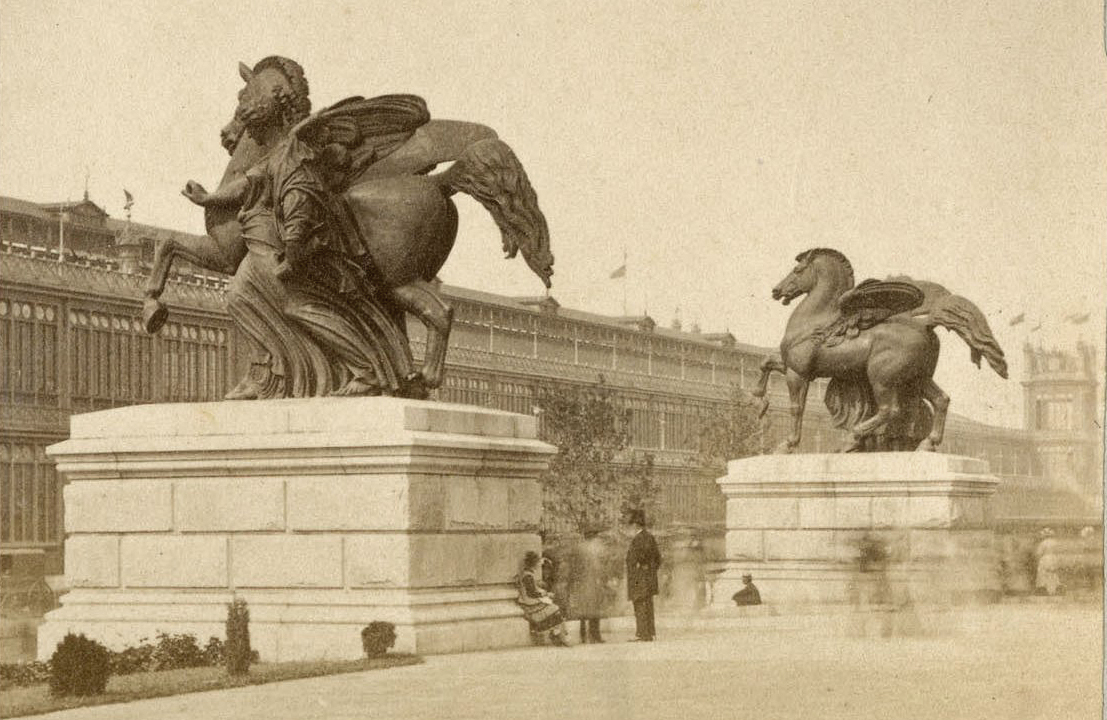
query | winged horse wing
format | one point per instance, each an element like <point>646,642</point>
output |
<point>355,133</point>
<point>874,301</point>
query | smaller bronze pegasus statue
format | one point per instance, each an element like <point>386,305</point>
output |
<point>876,343</point>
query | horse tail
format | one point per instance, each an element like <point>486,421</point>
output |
<point>955,313</point>
<point>849,401</point>
<point>489,172</point>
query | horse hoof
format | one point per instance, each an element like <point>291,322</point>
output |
<point>784,448</point>
<point>243,393</point>
<point>429,378</point>
<point>154,315</point>
<point>415,387</point>
<point>926,446</point>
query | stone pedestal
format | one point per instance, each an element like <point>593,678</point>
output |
<point>806,527</point>
<point>323,514</point>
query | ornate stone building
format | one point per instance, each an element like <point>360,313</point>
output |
<point>71,342</point>
<point>1064,426</point>
<point>71,339</point>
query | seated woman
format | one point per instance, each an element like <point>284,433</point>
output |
<point>538,606</point>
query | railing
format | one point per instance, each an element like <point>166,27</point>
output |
<point>27,595</point>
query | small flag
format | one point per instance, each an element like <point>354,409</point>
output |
<point>620,272</point>
<point>1017,319</point>
<point>1036,328</point>
<point>1078,318</point>
<point>130,199</point>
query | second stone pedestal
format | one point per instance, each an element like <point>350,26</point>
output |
<point>323,514</point>
<point>848,528</point>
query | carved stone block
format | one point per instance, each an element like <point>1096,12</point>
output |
<point>323,514</point>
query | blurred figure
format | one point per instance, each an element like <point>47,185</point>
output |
<point>1089,562</point>
<point>683,589</point>
<point>541,612</point>
<point>1017,564</point>
<point>551,575</point>
<point>1047,580</point>
<point>749,594</point>
<point>550,567</point>
<point>871,587</point>
<point>643,559</point>
<point>587,583</point>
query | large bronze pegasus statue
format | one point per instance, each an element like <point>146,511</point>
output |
<point>876,343</point>
<point>359,173</point>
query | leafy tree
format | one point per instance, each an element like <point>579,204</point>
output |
<point>595,475</point>
<point>734,432</point>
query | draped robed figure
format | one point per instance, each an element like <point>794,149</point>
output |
<point>335,227</point>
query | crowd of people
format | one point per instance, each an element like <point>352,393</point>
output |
<point>580,582</point>
<point>1063,564</point>
<point>590,585</point>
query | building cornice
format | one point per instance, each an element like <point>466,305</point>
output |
<point>76,280</point>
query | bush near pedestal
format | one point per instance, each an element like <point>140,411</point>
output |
<point>236,651</point>
<point>79,667</point>
<point>377,638</point>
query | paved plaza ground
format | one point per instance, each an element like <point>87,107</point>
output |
<point>1009,661</point>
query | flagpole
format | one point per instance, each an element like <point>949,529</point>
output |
<point>61,235</point>
<point>624,281</point>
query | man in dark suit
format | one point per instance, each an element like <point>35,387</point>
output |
<point>643,560</point>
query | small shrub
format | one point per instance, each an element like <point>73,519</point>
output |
<point>133,658</point>
<point>79,667</point>
<point>236,651</point>
<point>171,652</point>
<point>377,638</point>
<point>174,652</point>
<point>23,674</point>
<point>213,652</point>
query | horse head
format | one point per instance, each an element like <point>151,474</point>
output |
<point>230,134</point>
<point>813,267</point>
<point>221,221</point>
<point>274,99</point>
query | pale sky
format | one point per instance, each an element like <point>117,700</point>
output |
<point>964,143</point>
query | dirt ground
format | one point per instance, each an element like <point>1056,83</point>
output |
<point>1033,660</point>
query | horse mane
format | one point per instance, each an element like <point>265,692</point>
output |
<point>811,254</point>
<point>295,101</point>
